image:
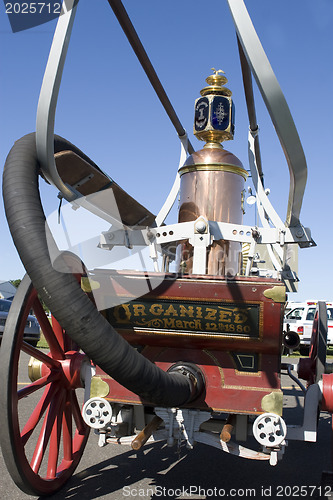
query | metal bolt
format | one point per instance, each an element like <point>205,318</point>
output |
<point>200,226</point>
<point>299,232</point>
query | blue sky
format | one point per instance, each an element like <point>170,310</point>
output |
<point>108,109</point>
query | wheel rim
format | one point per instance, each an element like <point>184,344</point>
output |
<point>313,367</point>
<point>318,348</point>
<point>42,432</point>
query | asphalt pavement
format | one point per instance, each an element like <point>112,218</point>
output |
<point>116,472</point>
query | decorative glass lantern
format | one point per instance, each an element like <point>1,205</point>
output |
<point>214,112</point>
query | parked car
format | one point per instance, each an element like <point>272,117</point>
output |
<point>300,318</point>
<point>31,330</point>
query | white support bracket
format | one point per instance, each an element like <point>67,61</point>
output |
<point>87,372</point>
<point>215,231</point>
<point>200,240</point>
<point>308,430</point>
<point>182,424</point>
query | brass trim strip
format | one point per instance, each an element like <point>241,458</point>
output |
<point>200,299</point>
<point>189,278</point>
<point>250,388</point>
<point>249,374</point>
<point>238,412</point>
<point>214,167</point>
<point>187,333</point>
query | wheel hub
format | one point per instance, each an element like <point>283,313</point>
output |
<point>69,369</point>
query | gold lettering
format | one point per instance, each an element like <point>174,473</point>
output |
<point>197,324</point>
<point>225,315</point>
<point>192,325</point>
<point>240,317</point>
<point>186,311</point>
<point>156,309</point>
<point>198,312</point>
<point>211,313</point>
<point>139,309</point>
<point>179,324</point>
<point>171,311</point>
<point>169,322</point>
<point>211,327</point>
<point>122,313</point>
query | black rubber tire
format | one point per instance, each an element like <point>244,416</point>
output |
<point>304,350</point>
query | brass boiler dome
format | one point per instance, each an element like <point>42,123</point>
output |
<point>212,185</point>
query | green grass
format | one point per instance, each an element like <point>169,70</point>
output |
<point>296,354</point>
<point>42,342</point>
<point>330,352</point>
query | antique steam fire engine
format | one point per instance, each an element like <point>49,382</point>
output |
<point>189,352</point>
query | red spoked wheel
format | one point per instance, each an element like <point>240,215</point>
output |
<point>42,432</point>
<point>313,367</point>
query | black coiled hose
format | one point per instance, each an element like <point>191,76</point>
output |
<point>61,292</point>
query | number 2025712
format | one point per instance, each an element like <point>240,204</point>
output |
<point>33,8</point>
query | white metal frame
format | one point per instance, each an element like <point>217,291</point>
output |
<point>201,233</point>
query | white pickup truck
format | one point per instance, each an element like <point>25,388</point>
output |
<point>300,315</point>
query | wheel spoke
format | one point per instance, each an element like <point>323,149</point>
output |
<point>38,384</point>
<point>30,302</point>
<point>67,429</point>
<point>49,422</point>
<point>40,447</point>
<point>59,333</point>
<point>51,336</point>
<point>36,353</point>
<point>55,440</point>
<point>38,412</point>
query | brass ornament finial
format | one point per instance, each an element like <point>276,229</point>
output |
<point>216,82</point>
<point>217,71</point>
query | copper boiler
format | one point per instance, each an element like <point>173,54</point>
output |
<point>212,185</point>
